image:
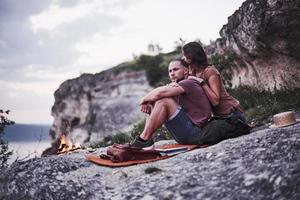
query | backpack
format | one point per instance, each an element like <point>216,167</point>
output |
<point>124,152</point>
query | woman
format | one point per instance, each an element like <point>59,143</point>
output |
<point>228,115</point>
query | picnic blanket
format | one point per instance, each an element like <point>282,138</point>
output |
<point>167,151</point>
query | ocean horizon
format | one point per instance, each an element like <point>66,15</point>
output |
<point>27,140</point>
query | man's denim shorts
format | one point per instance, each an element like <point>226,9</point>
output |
<point>182,128</point>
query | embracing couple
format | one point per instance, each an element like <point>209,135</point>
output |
<point>194,107</point>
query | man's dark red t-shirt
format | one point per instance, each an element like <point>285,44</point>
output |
<point>195,102</point>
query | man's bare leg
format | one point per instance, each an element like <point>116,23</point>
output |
<point>163,109</point>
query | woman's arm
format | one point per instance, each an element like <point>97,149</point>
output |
<point>213,89</point>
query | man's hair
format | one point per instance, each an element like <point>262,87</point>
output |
<point>181,61</point>
<point>195,52</point>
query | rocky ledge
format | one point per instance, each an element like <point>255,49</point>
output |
<point>262,37</point>
<point>262,165</point>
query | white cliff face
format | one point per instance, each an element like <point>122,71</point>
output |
<point>99,105</point>
<point>280,73</point>
<point>263,35</point>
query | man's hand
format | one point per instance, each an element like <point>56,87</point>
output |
<point>173,84</point>
<point>200,80</point>
<point>146,105</point>
<point>144,101</point>
<point>146,108</point>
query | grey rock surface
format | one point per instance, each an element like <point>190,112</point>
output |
<point>263,35</point>
<point>262,165</point>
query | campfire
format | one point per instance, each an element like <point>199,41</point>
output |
<point>66,145</point>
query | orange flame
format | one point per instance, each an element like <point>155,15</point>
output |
<point>66,145</point>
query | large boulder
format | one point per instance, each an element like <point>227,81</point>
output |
<point>263,36</point>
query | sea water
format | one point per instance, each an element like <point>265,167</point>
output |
<point>27,150</point>
<point>26,140</point>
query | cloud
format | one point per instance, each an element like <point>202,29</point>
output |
<point>45,35</point>
<point>98,23</point>
<point>67,3</point>
<point>18,96</point>
<point>18,10</point>
<point>38,49</point>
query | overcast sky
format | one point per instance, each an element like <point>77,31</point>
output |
<point>45,42</point>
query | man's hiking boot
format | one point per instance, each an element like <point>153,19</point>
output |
<point>140,144</point>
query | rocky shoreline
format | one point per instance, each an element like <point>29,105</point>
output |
<point>262,165</point>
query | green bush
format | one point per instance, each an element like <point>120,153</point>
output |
<point>224,64</point>
<point>155,71</point>
<point>152,65</point>
<point>160,134</point>
<point>132,66</point>
<point>261,105</point>
<point>120,138</point>
<point>156,67</point>
<point>137,129</point>
<point>126,137</point>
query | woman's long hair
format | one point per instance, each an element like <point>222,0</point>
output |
<point>195,52</point>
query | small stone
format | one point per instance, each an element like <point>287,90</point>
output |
<point>151,170</point>
<point>278,180</point>
<point>208,155</point>
<point>59,177</point>
<point>148,197</point>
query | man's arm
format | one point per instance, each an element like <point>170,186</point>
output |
<point>162,92</point>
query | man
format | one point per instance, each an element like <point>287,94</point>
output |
<point>182,106</point>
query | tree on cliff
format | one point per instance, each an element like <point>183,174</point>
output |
<point>4,152</point>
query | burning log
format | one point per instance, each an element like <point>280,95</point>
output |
<point>66,145</point>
